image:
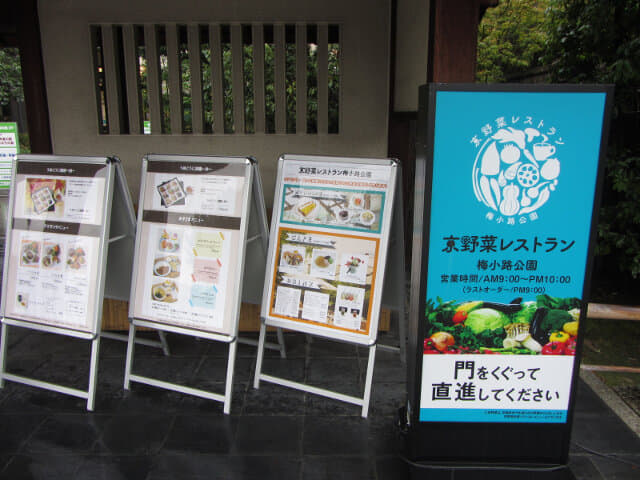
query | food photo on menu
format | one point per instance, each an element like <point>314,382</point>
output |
<point>52,277</point>
<point>349,307</point>
<point>342,209</point>
<point>292,259</point>
<point>29,253</point>
<point>77,257</point>
<point>45,195</point>
<point>323,263</point>
<point>320,279</point>
<point>173,192</point>
<point>51,255</point>
<point>166,267</point>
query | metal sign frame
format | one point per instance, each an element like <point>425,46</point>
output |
<point>251,190</point>
<point>370,338</point>
<point>91,334</point>
<point>394,291</point>
<point>505,445</point>
<point>122,240</point>
<point>258,230</point>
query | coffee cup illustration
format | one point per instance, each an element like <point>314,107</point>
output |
<point>542,151</point>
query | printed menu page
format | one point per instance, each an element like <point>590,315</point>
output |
<point>54,251</point>
<point>324,278</point>
<point>189,243</point>
<point>329,231</point>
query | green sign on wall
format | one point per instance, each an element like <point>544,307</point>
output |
<point>9,148</point>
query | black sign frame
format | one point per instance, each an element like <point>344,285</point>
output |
<point>536,447</point>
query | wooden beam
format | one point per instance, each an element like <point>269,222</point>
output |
<point>280,80</point>
<point>237,78</point>
<point>197,116</point>
<point>610,368</point>
<point>154,87</point>
<point>613,312</point>
<point>131,76</point>
<point>301,79</point>
<point>217,75</point>
<point>175,82</point>
<point>257,36</point>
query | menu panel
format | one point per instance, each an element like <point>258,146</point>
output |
<point>190,242</point>
<point>55,239</point>
<point>330,230</point>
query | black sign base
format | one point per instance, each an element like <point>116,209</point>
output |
<point>435,471</point>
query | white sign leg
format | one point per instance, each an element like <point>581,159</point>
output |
<point>3,352</point>
<point>228,390</point>
<point>263,332</point>
<point>163,341</point>
<point>368,381</point>
<point>93,372</point>
<point>283,351</point>
<point>129,360</point>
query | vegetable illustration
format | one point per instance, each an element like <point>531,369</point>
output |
<point>486,319</point>
<point>459,317</point>
<point>486,191</point>
<point>429,347</point>
<point>551,169</point>
<point>525,315</point>
<point>544,196</point>
<point>510,173</point>
<point>531,344</point>
<point>559,337</point>
<point>510,135</point>
<point>575,313</point>
<point>510,204</point>
<point>490,161</point>
<point>571,328</point>
<point>517,331</point>
<point>514,328</point>
<point>495,186</point>
<point>546,321</point>
<point>463,311</point>
<point>441,340</point>
<point>510,154</point>
<point>553,348</point>
<point>518,336</point>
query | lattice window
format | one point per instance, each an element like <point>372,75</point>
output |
<point>217,78</point>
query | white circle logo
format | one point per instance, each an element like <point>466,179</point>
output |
<point>515,172</point>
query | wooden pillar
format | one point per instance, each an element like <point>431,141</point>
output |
<point>35,93</point>
<point>453,39</point>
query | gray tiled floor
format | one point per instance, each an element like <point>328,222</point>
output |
<point>273,432</point>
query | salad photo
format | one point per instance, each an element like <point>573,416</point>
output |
<point>544,326</point>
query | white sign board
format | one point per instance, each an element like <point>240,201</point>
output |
<point>328,247</point>
<point>190,243</point>
<point>54,261</point>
